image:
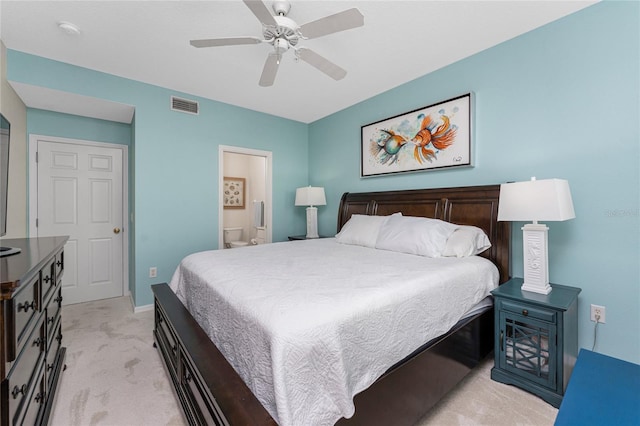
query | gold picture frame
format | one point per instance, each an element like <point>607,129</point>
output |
<point>233,193</point>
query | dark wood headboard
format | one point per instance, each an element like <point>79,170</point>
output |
<point>471,205</point>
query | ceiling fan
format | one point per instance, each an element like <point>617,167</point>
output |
<point>284,33</point>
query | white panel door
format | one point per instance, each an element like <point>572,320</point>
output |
<point>80,195</point>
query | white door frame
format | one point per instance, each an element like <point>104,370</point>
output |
<point>268,189</point>
<point>33,192</point>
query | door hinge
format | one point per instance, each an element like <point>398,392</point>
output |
<point>36,222</point>
<point>36,156</point>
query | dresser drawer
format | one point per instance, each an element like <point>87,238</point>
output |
<point>59,265</point>
<point>23,314</point>
<point>23,372</point>
<point>48,281</point>
<point>52,312</point>
<point>529,311</point>
<point>34,405</point>
<point>52,353</point>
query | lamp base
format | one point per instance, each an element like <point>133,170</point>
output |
<point>536,258</point>
<point>536,289</point>
<point>312,222</point>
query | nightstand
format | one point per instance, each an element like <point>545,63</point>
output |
<point>304,237</point>
<point>536,341</point>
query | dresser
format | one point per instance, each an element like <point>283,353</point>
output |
<point>32,355</point>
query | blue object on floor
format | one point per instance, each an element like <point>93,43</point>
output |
<point>602,391</point>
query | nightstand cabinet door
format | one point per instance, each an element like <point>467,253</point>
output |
<point>524,344</point>
<point>536,343</point>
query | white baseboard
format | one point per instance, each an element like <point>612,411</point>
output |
<point>139,309</point>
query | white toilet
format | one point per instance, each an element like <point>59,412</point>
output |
<point>233,238</point>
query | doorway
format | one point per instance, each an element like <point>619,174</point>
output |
<point>251,168</point>
<point>79,189</point>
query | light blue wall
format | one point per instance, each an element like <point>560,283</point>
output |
<point>175,161</point>
<point>49,123</point>
<point>559,102</point>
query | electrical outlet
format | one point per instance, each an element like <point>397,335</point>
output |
<point>153,272</point>
<point>597,310</point>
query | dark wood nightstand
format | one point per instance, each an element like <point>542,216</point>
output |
<point>304,237</point>
<point>536,341</point>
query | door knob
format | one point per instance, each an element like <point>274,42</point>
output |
<point>116,230</point>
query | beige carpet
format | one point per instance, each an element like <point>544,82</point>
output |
<point>114,377</point>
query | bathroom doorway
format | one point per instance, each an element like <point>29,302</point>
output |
<point>245,212</point>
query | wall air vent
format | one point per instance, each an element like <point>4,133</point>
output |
<point>184,105</point>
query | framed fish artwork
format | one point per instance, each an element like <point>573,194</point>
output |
<point>434,137</point>
<point>233,195</point>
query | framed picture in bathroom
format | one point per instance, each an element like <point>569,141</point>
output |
<point>233,192</point>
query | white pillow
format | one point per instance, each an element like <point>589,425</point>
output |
<point>415,235</point>
<point>361,230</point>
<point>466,241</point>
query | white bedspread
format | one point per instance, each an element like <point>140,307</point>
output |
<point>309,324</point>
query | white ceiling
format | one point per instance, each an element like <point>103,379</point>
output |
<point>148,41</point>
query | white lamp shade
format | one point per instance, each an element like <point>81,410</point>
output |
<point>536,200</point>
<point>310,196</point>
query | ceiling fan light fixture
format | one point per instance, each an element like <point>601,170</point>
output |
<point>281,45</point>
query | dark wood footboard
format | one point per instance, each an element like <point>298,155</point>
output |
<point>211,392</point>
<point>206,385</point>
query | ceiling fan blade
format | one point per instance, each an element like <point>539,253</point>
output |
<point>321,63</point>
<point>341,21</point>
<point>227,41</point>
<point>269,71</point>
<point>262,13</point>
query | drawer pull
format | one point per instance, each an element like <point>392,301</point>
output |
<point>18,390</point>
<point>49,367</point>
<point>58,299</point>
<point>59,263</point>
<point>38,342</point>
<point>39,398</point>
<point>26,306</point>
<point>47,279</point>
<point>59,338</point>
<point>525,312</point>
<point>50,320</point>
<point>187,377</point>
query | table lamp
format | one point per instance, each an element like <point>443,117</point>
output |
<point>548,200</point>
<point>311,196</point>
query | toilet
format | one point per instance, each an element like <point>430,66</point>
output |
<point>233,238</point>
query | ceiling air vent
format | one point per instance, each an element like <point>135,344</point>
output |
<point>184,105</point>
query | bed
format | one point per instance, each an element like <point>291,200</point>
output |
<point>212,392</point>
